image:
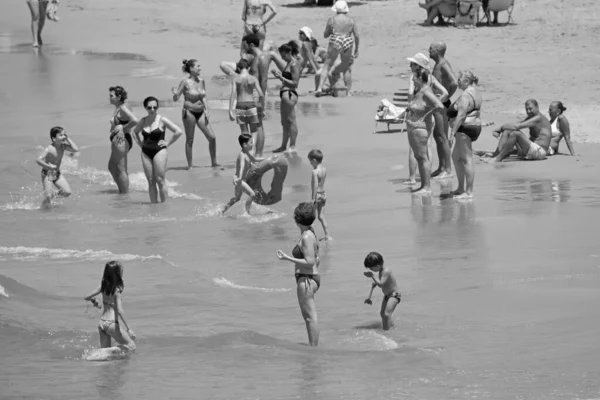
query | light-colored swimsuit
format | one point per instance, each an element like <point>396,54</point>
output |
<point>416,114</point>
<point>320,198</point>
<point>556,133</point>
<point>536,152</point>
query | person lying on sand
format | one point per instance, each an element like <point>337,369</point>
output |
<point>532,147</point>
<point>438,8</point>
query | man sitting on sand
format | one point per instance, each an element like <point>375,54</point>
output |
<point>534,147</point>
<point>440,9</point>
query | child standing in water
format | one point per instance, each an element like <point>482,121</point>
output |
<point>387,282</point>
<point>242,165</point>
<point>242,99</point>
<point>315,157</point>
<point>50,161</point>
<point>111,288</point>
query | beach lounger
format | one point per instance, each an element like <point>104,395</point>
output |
<point>392,112</point>
<point>499,6</point>
<point>467,13</point>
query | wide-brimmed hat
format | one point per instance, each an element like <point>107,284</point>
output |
<point>340,6</point>
<point>420,59</point>
<point>307,32</point>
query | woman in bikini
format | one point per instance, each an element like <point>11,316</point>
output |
<point>109,327</point>
<point>419,124</point>
<point>253,15</point>
<point>154,148</point>
<point>195,110</point>
<point>560,128</point>
<point>289,75</point>
<point>121,141</point>
<point>305,257</point>
<point>343,36</point>
<point>466,112</point>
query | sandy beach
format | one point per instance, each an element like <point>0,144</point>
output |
<point>499,292</point>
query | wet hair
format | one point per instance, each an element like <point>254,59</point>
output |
<point>373,259</point>
<point>316,155</point>
<point>470,76</point>
<point>112,279</point>
<point>252,39</point>
<point>532,101</point>
<point>55,131</point>
<point>244,138</point>
<point>188,65</point>
<point>242,64</point>
<point>119,92</point>
<point>304,214</point>
<point>290,47</point>
<point>148,99</point>
<point>560,106</point>
<point>423,75</point>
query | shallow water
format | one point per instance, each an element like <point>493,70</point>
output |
<point>499,293</point>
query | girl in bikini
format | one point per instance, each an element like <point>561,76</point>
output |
<point>154,148</point>
<point>305,257</point>
<point>109,327</point>
<point>195,110</point>
<point>289,75</point>
<point>121,141</point>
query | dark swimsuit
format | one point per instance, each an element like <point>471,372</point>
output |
<point>128,136</point>
<point>472,131</point>
<point>287,75</point>
<point>54,175</point>
<point>150,145</point>
<point>297,253</point>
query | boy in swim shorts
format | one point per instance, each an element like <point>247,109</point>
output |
<point>387,282</point>
<point>50,161</point>
<point>242,107</point>
<point>244,161</point>
<point>317,184</point>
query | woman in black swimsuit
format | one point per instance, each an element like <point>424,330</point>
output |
<point>289,76</point>
<point>120,137</point>
<point>466,112</point>
<point>154,148</point>
<point>305,257</point>
<point>195,110</point>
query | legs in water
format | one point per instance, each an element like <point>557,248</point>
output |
<point>206,128</point>
<point>413,165</point>
<point>288,121</point>
<point>117,164</point>
<point>440,135</point>
<point>241,187</point>
<point>189,123</point>
<point>387,309</point>
<point>305,290</point>
<point>37,9</point>
<point>321,217</point>
<point>418,141</point>
<point>155,170</point>
<point>463,164</point>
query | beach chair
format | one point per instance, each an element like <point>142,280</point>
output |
<point>392,112</point>
<point>499,6</point>
<point>467,13</point>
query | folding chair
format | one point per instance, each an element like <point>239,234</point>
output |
<point>399,100</point>
<point>499,6</point>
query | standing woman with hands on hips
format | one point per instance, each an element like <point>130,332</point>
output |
<point>195,110</point>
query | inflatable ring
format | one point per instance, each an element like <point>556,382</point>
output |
<point>279,166</point>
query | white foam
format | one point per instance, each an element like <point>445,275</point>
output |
<point>35,253</point>
<point>368,339</point>
<point>223,282</point>
<point>3,292</point>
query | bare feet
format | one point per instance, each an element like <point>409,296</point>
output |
<point>464,196</point>
<point>456,192</point>
<point>279,150</point>
<point>436,172</point>
<point>292,149</point>
<point>215,164</point>
<point>422,191</point>
<point>409,182</point>
<point>443,175</point>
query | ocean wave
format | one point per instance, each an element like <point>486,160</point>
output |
<point>224,282</point>
<point>23,253</point>
<point>3,292</point>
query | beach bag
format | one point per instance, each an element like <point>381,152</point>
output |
<point>52,11</point>
<point>467,13</point>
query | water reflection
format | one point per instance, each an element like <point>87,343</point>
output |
<point>535,190</point>
<point>111,379</point>
<point>311,384</point>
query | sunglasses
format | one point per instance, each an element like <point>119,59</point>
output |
<point>152,108</point>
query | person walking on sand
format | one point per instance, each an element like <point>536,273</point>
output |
<point>50,161</point>
<point>253,15</point>
<point>442,71</point>
<point>344,40</point>
<point>305,257</point>
<point>121,141</point>
<point>38,10</point>
<point>195,110</point>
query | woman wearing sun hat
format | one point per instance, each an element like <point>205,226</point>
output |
<point>305,35</point>
<point>343,41</point>
<point>420,62</point>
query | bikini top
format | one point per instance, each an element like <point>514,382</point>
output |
<point>192,94</point>
<point>554,128</point>
<point>297,251</point>
<point>452,112</point>
<point>118,121</point>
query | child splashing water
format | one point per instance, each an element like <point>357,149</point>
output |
<point>109,328</point>
<point>387,282</point>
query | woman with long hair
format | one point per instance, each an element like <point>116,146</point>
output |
<point>289,75</point>
<point>419,124</point>
<point>305,257</point>
<point>121,141</point>
<point>111,287</point>
<point>154,148</point>
<point>195,110</point>
<point>466,112</point>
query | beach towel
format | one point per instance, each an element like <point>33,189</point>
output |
<point>388,111</point>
